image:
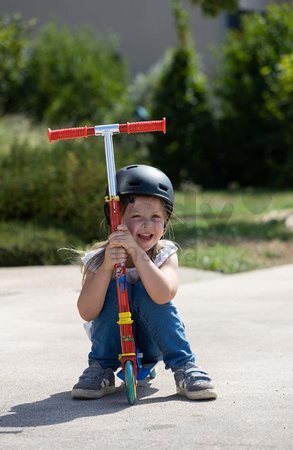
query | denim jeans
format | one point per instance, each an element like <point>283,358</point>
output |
<point>158,330</point>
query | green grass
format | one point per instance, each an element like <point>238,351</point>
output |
<point>248,203</point>
<point>231,231</point>
<point>218,257</point>
<point>213,230</point>
<point>30,244</point>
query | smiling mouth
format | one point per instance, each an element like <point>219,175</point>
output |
<point>145,236</point>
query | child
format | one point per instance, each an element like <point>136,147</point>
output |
<point>147,199</point>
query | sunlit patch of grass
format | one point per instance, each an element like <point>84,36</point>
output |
<point>244,202</point>
<point>241,257</point>
<point>220,258</point>
<point>225,231</point>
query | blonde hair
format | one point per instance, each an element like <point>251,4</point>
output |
<point>95,262</point>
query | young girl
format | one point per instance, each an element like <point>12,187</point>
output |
<point>147,199</point>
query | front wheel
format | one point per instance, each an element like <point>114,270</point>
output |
<point>130,382</point>
<point>153,373</point>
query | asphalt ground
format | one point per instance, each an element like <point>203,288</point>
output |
<point>240,327</point>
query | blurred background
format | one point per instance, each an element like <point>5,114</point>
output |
<point>220,71</point>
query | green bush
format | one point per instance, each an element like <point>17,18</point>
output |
<point>73,76</point>
<point>64,182</point>
<point>255,89</point>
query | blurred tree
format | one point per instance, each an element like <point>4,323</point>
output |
<point>255,88</point>
<point>181,95</point>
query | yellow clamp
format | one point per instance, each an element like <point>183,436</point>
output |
<point>126,354</point>
<point>125,318</point>
<point>114,197</point>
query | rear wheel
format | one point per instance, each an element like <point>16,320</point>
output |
<point>130,382</point>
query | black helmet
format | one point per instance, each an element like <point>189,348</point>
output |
<point>144,180</point>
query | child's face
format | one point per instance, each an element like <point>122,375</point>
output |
<point>145,220</point>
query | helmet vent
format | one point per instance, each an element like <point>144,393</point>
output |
<point>134,183</point>
<point>131,167</point>
<point>163,187</point>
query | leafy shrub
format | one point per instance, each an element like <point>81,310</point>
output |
<point>256,98</point>
<point>64,183</point>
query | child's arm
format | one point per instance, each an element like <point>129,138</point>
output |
<point>92,295</point>
<point>160,283</point>
<point>94,289</point>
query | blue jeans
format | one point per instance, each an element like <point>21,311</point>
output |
<point>158,330</point>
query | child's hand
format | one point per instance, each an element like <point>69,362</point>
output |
<point>114,255</point>
<point>123,238</point>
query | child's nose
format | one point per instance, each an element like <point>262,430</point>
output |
<point>146,223</point>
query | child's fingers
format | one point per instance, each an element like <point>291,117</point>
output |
<point>118,252</point>
<point>114,243</point>
<point>119,232</point>
<point>122,227</point>
<point>118,240</point>
<point>119,257</point>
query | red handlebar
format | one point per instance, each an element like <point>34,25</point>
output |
<point>143,127</point>
<point>70,133</point>
<point>129,127</point>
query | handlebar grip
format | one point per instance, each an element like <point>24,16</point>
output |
<point>70,133</point>
<point>143,127</point>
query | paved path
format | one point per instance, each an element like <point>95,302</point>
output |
<point>240,326</point>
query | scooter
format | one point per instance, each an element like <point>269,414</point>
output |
<point>130,358</point>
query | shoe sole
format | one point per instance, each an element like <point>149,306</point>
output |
<point>92,394</point>
<point>204,394</point>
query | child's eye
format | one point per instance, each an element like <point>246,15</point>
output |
<point>157,216</point>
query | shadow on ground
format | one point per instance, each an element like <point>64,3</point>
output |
<point>61,408</point>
